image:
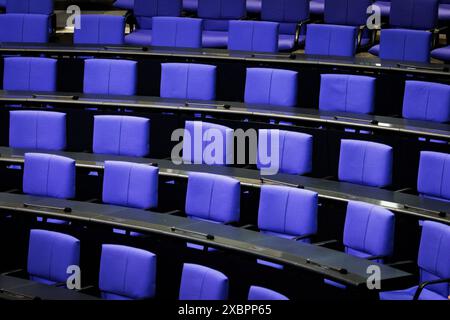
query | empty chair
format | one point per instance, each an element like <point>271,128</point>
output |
<point>127,273</point>
<point>441,53</point>
<point>49,175</point>
<point>29,74</point>
<point>30,6</point>
<point>50,254</point>
<point>263,294</point>
<point>108,76</point>
<point>385,7</point>
<point>287,212</point>
<point>274,87</point>
<point>202,283</point>
<point>100,29</point>
<point>40,130</point>
<point>426,101</point>
<point>290,14</point>
<point>365,162</point>
<point>254,6</point>
<point>347,93</point>
<point>216,14</point>
<point>177,32</point>
<point>130,184</point>
<point>144,11</point>
<point>216,147</point>
<point>212,198</point>
<point>124,4</point>
<point>121,135</point>
<point>317,7</point>
<point>255,36</point>
<point>405,45</point>
<point>434,175</point>
<point>295,150</point>
<point>414,14</point>
<point>434,266</point>
<point>28,28</point>
<point>331,40</point>
<point>190,5</point>
<point>188,81</point>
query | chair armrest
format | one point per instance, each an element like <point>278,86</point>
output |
<point>250,227</point>
<point>302,237</point>
<point>174,212</point>
<point>428,283</point>
<point>298,30</point>
<point>405,190</point>
<point>13,272</point>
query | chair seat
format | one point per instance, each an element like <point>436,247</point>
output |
<point>408,294</point>
<point>142,37</point>
<point>444,12</point>
<point>317,7</point>
<point>215,39</point>
<point>124,4</point>
<point>375,50</point>
<point>385,7</point>
<point>286,42</point>
<point>441,53</point>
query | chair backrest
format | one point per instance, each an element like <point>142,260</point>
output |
<point>287,210</point>
<point>207,143</point>
<point>346,12</point>
<point>264,294</point>
<point>190,5</point>
<point>130,184</point>
<point>414,14</point>
<point>121,135</point>
<point>286,12</point>
<point>295,150</point>
<point>213,197</point>
<point>30,6</point>
<point>405,45</point>
<point>426,101</point>
<point>100,29</point>
<point>347,93</point>
<point>188,81</point>
<point>331,40</point>
<point>30,74</point>
<point>3,3</point>
<point>49,175</point>
<point>127,273</point>
<point>368,230</point>
<point>202,283</point>
<point>434,175</point>
<point>255,36</point>
<point>108,76</point>
<point>145,10</point>
<point>19,27</point>
<point>40,130</point>
<point>124,4</point>
<point>177,32</point>
<point>273,87</point>
<point>50,254</point>
<point>434,260</point>
<point>217,13</point>
<point>365,162</point>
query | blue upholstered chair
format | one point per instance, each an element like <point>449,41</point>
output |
<point>108,76</point>
<point>444,10</point>
<point>331,40</point>
<point>124,4</point>
<point>130,185</point>
<point>28,28</point>
<point>347,93</point>
<point>434,175</point>
<point>385,7</point>
<point>188,81</point>
<point>190,5</point>
<point>127,273</point>
<point>414,14</point>
<point>218,136</point>
<point>42,130</point>
<point>263,294</point>
<point>426,101</point>
<point>216,14</point>
<point>202,283</point>
<point>50,254</point>
<point>144,11</point>
<point>121,135</point>
<point>287,212</point>
<point>434,265</point>
<point>254,6</point>
<point>272,87</point>
<point>29,74</point>
<point>441,54</point>
<point>177,32</point>
<point>100,29</point>
<point>317,7</point>
<point>212,198</point>
<point>365,162</point>
<point>30,6</point>
<point>3,3</point>
<point>289,14</point>
<point>255,36</point>
<point>405,45</point>
<point>295,150</point>
<point>49,175</point>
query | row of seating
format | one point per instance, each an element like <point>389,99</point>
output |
<point>275,87</point>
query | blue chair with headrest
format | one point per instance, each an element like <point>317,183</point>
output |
<point>331,40</point>
<point>274,87</point>
<point>176,32</point>
<point>426,101</point>
<point>109,76</point>
<point>263,294</point>
<point>24,28</point>
<point>121,135</point>
<point>188,81</point>
<point>347,93</point>
<point>124,4</point>
<point>100,29</point>
<point>255,36</point>
<point>50,254</point>
<point>366,163</point>
<point>202,283</point>
<point>434,175</point>
<point>434,265</point>
<point>127,273</point>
